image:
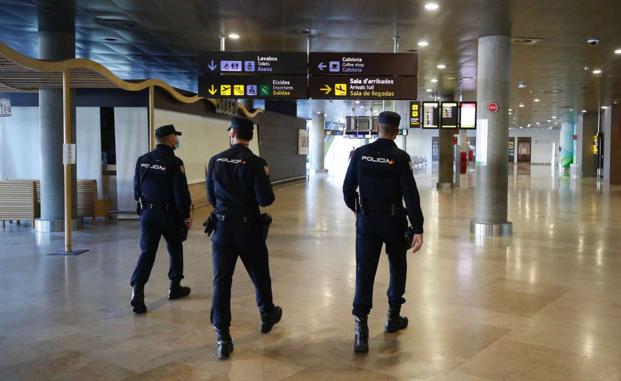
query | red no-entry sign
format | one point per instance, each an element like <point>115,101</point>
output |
<point>493,107</point>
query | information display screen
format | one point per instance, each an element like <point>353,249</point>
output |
<point>431,115</point>
<point>449,116</point>
<point>415,115</point>
<point>468,115</point>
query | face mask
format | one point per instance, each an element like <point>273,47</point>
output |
<point>178,143</point>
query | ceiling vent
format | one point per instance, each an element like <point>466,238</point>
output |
<point>525,40</point>
<point>120,24</point>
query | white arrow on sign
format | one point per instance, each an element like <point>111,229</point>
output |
<point>321,66</point>
<point>212,65</point>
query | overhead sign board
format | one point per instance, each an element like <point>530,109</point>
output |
<point>362,87</point>
<point>468,115</point>
<point>449,115</point>
<point>253,87</point>
<point>399,64</point>
<point>415,114</point>
<point>5,107</point>
<point>275,63</point>
<point>431,115</point>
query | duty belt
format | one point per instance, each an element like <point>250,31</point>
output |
<point>236,218</point>
<point>156,205</point>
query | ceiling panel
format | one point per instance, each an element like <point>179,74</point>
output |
<point>166,35</point>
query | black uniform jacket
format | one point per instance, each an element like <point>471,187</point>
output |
<point>163,179</point>
<point>238,181</point>
<point>382,174</point>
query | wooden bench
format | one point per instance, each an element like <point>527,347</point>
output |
<point>18,201</point>
<point>87,197</point>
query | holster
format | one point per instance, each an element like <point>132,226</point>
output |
<point>139,207</point>
<point>408,236</point>
<point>211,223</point>
<point>266,221</point>
<point>182,228</point>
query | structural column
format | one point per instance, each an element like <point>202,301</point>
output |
<point>494,75</point>
<point>446,157</point>
<point>317,143</point>
<point>612,144</point>
<point>56,42</point>
<point>567,142</point>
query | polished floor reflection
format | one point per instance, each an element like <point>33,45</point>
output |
<point>544,305</point>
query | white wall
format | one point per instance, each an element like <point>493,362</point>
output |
<point>543,142</point>
<point>202,138</point>
<point>131,134</point>
<point>88,146</point>
<point>20,142</point>
<point>419,143</point>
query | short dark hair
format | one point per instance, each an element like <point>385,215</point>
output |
<point>244,134</point>
<point>389,129</point>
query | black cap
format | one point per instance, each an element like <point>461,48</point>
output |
<point>238,123</point>
<point>166,130</point>
<point>390,118</point>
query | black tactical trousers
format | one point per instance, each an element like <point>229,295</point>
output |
<point>155,223</point>
<point>231,240</point>
<point>373,230</point>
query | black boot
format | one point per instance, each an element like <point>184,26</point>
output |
<point>225,343</point>
<point>138,300</point>
<point>395,321</point>
<point>270,319</point>
<point>177,291</point>
<point>361,340</point>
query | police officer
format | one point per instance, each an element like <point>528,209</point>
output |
<point>382,175</point>
<point>238,183</point>
<point>161,189</point>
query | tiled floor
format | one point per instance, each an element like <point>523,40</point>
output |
<point>544,305</point>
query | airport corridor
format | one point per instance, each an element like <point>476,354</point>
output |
<point>542,305</point>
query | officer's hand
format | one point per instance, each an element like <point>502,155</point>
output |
<point>417,243</point>
<point>188,223</point>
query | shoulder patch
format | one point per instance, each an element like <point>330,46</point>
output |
<point>267,170</point>
<point>182,169</point>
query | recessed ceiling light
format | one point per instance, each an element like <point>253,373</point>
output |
<point>571,110</point>
<point>584,111</point>
<point>538,123</point>
<point>618,51</point>
<point>318,112</point>
<point>521,105</point>
<point>549,121</point>
<point>597,71</point>
<point>537,100</point>
<point>553,116</point>
<point>423,43</point>
<point>510,110</point>
<point>604,107</point>
<point>432,6</point>
<point>428,90</point>
<point>357,102</point>
<point>434,80</point>
<point>234,36</point>
<point>441,66</point>
<point>522,85</point>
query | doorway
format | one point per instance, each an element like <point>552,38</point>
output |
<point>524,150</point>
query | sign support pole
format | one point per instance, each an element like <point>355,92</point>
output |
<point>69,161</point>
<point>67,164</point>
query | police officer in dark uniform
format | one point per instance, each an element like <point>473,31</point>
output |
<point>161,190</point>
<point>379,178</point>
<point>238,183</point>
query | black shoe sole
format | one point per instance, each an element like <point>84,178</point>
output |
<point>393,329</point>
<point>267,327</point>
<point>225,356</point>
<point>173,297</point>
<point>361,350</point>
<point>138,308</point>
